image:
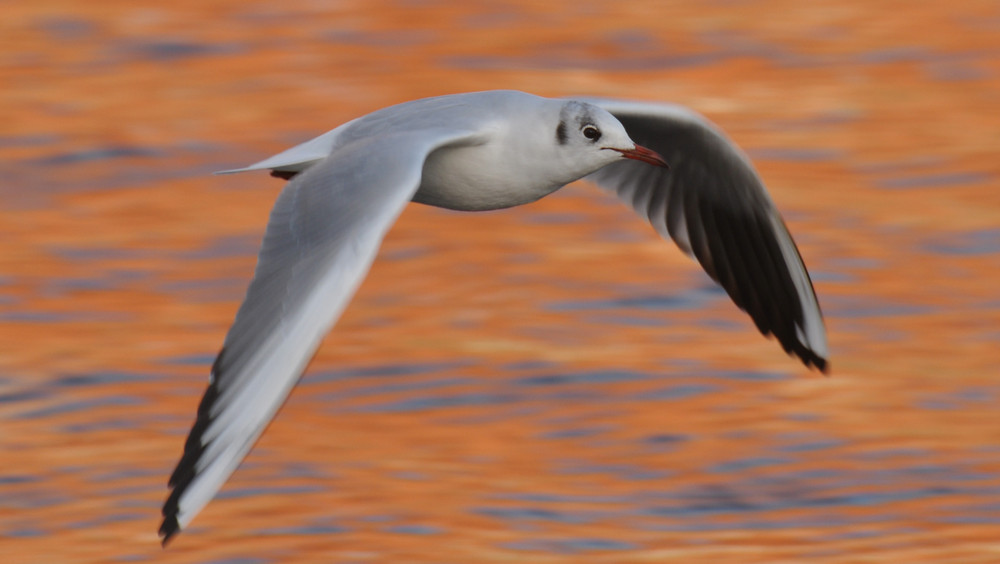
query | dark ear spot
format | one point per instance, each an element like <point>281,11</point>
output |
<point>561,133</point>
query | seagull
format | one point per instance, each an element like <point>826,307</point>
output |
<point>477,151</point>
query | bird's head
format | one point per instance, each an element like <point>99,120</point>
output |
<point>590,138</point>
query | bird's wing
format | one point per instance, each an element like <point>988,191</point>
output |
<point>299,157</point>
<point>321,239</point>
<point>713,204</point>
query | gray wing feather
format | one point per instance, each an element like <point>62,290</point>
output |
<point>301,156</point>
<point>322,237</point>
<point>713,204</point>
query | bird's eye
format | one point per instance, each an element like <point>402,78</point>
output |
<point>591,132</point>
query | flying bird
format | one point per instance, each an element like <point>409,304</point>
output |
<point>477,151</point>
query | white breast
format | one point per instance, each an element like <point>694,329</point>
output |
<point>483,177</point>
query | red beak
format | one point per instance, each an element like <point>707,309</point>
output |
<point>643,154</point>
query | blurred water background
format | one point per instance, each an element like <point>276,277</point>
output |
<point>551,383</point>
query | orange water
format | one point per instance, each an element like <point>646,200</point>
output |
<point>551,383</point>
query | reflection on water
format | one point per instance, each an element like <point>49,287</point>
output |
<point>556,384</point>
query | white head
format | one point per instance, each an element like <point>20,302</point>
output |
<point>588,138</point>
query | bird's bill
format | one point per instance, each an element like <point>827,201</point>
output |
<point>640,153</point>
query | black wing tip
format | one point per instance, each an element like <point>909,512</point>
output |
<point>170,525</point>
<point>809,358</point>
<point>284,174</point>
<point>184,472</point>
<point>168,529</point>
<point>818,363</point>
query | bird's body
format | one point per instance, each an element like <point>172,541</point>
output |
<point>476,151</point>
<point>464,176</point>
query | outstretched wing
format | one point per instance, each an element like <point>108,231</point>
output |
<point>290,162</point>
<point>713,204</point>
<point>323,234</point>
